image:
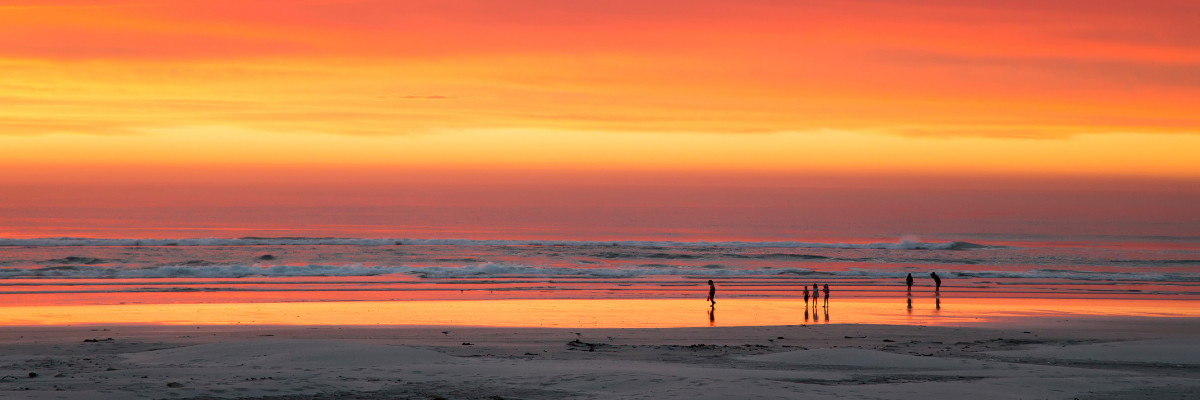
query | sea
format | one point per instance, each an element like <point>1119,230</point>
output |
<point>105,245</point>
<point>99,271</point>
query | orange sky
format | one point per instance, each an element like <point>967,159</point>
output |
<point>1001,86</point>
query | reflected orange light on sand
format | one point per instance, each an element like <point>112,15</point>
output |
<point>594,313</point>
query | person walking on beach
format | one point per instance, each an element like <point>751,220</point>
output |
<point>806,297</point>
<point>936,281</point>
<point>712,293</point>
<point>826,295</point>
<point>909,281</point>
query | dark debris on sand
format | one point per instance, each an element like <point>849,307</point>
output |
<point>1158,392</point>
<point>423,391</point>
<point>578,345</point>
<point>884,379</point>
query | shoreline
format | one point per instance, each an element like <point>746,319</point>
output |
<point>1088,358</point>
<point>600,313</point>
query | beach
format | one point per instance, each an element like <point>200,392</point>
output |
<point>483,199</point>
<point>300,318</point>
<point>1055,356</point>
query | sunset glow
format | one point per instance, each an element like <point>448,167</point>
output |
<point>995,87</point>
<point>618,199</point>
<point>841,140</point>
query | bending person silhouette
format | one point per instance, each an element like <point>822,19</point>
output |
<point>908,281</point>
<point>936,281</point>
<point>712,293</point>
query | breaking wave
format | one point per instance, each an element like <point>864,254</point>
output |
<point>480,270</point>
<point>498,270</point>
<point>205,271</point>
<point>1081,275</point>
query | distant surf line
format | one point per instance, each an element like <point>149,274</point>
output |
<point>319,241</point>
<point>502,270</point>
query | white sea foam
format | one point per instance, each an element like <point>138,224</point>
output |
<point>479,270</point>
<point>207,271</point>
<point>70,241</point>
<point>499,270</point>
<point>1080,275</point>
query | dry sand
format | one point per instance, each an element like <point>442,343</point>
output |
<point>1037,358</point>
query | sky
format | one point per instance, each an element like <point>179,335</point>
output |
<point>212,117</point>
<point>1104,88</point>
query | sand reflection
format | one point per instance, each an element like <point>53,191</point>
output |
<point>578,313</point>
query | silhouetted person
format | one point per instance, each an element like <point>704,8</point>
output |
<point>816,291</point>
<point>712,292</point>
<point>908,281</point>
<point>806,297</point>
<point>827,295</point>
<point>936,281</point>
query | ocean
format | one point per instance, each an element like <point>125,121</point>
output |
<point>374,240</point>
<point>112,271</point>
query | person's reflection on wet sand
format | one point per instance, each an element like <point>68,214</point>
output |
<point>938,301</point>
<point>805,312</point>
<point>827,315</point>
<point>712,316</point>
<point>909,304</point>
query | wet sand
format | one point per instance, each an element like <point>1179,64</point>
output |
<point>919,309</point>
<point>1055,357</point>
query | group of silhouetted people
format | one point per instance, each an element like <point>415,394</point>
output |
<point>937,281</point>
<point>816,291</point>
<point>937,289</point>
